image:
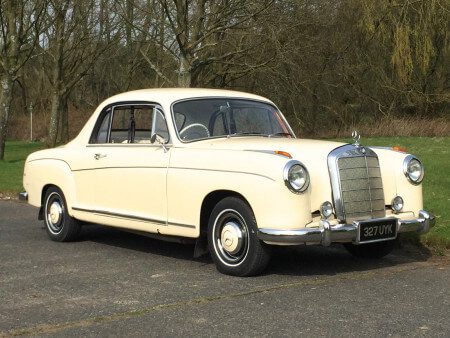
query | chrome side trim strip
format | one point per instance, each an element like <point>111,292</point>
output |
<point>128,145</point>
<point>182,225</point>
<point>221,171</point>
<point>124,167</point>
<point>132,217</point>
<point>119,215</point>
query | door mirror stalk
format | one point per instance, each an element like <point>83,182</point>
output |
<point>158,139</point>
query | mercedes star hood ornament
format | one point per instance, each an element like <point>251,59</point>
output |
<point>356,138</point>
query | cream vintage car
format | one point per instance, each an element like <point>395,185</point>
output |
<point>225,169</point>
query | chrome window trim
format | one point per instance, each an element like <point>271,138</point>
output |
<point>121,104</point>
<point>405,169</point>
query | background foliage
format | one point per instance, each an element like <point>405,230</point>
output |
<point>330,65</point>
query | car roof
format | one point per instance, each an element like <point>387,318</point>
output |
<point>170,95</point>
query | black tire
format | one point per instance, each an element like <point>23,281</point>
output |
<point>371,250</point>
<point>60,226</point>
<point>232,221</point>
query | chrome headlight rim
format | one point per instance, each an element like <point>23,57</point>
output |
<point>406,162</point>
<point>326,209</point>
<point>397,204</point>
<point>289,165</point>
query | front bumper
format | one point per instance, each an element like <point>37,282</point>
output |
<point>23,196</point>
<point>326,233</point>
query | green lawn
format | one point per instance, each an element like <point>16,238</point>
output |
<point>434,153</point>
<point>11,168</point>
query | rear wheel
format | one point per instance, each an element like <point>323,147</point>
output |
<point>371,250</point>
<point>233,240</point>
<point>61,227</point>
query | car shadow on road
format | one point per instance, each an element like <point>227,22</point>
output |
<point>295,260</point>
<point>137,242</point>
<point>333,260</point>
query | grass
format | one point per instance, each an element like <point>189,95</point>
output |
<point>433,151</point>
<point>11,168</point>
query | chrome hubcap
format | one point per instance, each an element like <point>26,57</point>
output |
<point>55,213</point>
<point>232,238</point>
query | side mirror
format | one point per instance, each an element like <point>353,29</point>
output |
<point>158,139</point>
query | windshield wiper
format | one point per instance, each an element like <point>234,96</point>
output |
<point>251,133</point>
<point>280,134</point>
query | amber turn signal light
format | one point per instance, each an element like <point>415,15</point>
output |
<point>398,148</point>
<point>283,153</point>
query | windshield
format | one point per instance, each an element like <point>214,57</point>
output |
<point>209,118</point>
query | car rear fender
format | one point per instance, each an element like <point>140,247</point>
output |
<point>40,174</point>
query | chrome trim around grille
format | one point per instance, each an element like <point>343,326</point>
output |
<point>356,183</point>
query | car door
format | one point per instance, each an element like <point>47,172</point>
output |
<point>128,172</point>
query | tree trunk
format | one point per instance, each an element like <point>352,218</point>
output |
<point>5,106</point>
<point>184,73</point>
<point>57,77</point>
<point>54,119</point>
<point>64,119</point>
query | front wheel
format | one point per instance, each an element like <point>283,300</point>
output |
<point>61,227</point>
<point>371,250</point>
<point>233,240</point>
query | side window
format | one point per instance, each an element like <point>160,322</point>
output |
<point>102,135</point>
<point>131,124</point>
<point>121,122</point>
<point>159,125</point>
<point>143,124</point>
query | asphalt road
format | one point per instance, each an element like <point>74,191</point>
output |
<point>113,283</point>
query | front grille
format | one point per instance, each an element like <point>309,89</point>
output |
<point>356,183</point>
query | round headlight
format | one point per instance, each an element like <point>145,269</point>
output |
<point>413,169</point>
<point>296,176</point>
<point>397,204</point>
<point>326,209</point>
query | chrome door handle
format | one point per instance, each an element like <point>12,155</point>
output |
<point>99,156</point>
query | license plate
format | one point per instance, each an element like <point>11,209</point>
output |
<point>377,230</point>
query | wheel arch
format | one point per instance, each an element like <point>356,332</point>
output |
<point>210,201</point>
<point>43,193</point>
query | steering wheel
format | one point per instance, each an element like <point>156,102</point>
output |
<point>194,131</point>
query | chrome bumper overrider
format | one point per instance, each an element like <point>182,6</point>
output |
<point>23,196</point>
<point>326,233</point>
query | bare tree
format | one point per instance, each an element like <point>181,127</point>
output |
<point>19,23</point>
<point>75,42</point>
<point>197,29</point>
